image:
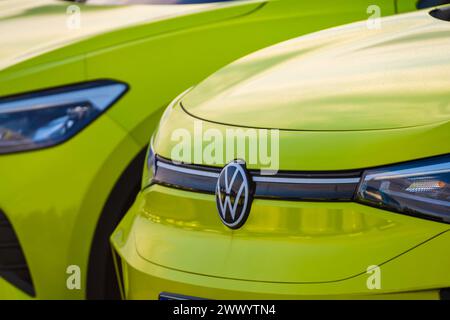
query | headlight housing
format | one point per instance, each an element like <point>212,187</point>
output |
<point>50,117</point>
<point>420,188</point>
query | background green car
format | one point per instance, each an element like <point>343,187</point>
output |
<point>359,204</point>
<point>66,179</point>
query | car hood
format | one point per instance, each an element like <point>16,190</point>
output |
<point>345,78</point>
<point>33,27</point>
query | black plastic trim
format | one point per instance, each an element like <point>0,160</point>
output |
<point>203,179</point>
<point>423,4</point>
<point>13,265</point>
<point>441,13</point>
<point>444,294</point>
<point>174,296</point>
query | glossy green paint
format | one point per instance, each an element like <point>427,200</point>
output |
<point>174,241</point>
<point>331,80</point>
<point>54,196</point>
<point>402,6</point>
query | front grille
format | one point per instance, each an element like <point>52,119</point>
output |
<point>285,185</point>
<point>13,266</point>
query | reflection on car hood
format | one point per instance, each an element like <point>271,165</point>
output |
<point>32,27</point>
<point>346,78</point>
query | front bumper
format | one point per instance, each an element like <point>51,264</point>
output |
<point>173,241</point>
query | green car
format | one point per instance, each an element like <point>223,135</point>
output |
<point>340,187</point>
<point>82,87</point>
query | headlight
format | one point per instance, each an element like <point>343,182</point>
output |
<point>50,117</point>
<point>417,188</point>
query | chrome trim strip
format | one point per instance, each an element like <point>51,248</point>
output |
<point>187,170</point>
<point>306,180</point>
<point>209,174</point>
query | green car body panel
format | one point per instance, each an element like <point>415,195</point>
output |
<point>345,98</point>
<point>54,197</point>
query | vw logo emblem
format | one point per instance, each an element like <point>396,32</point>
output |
<point>234,194</point>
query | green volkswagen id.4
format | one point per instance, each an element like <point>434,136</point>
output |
<point>315,168</point>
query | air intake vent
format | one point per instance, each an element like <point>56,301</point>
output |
<point>13,266</point>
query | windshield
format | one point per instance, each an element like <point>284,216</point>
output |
<point>122,2</point>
